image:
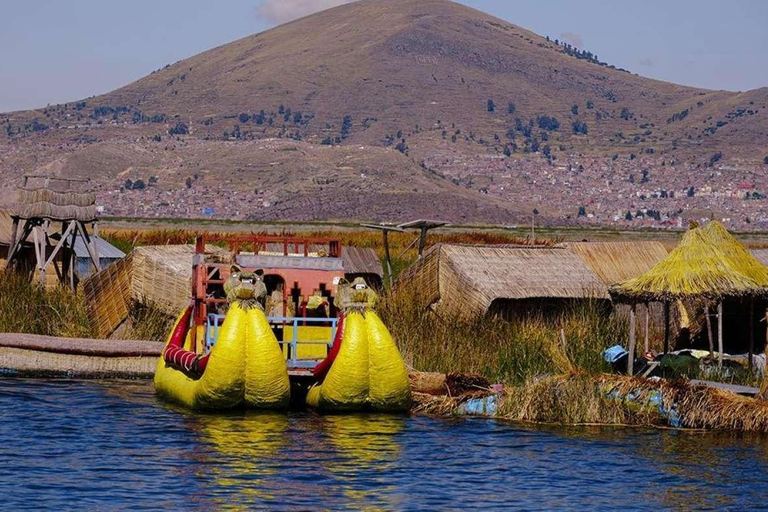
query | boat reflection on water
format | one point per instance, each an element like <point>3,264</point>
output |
<point>366,449</point>
<point>253,458</point>
<point>246,447</point>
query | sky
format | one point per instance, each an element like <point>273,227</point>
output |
<point>54,51</point>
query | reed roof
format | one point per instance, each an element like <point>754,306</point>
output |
<point>708,263</point>
<point>615,262</point>
<point>58,205</point>
<point>466,279</point>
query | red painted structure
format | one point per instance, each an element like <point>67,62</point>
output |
<point>302,265</point>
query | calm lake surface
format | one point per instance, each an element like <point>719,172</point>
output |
<point>112,445</point>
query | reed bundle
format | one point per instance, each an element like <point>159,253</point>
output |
<point>44,364</point>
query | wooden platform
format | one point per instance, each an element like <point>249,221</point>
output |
<point>739,390</point>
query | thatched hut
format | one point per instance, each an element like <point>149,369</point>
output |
<point>710,267</point>
<point>467,281</point>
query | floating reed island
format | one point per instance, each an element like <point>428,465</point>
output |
<point>535,319</point>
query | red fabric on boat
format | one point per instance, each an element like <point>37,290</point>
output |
<point>321,370</point>
<point>174,353</point>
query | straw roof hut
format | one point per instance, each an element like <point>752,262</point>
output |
<point>708,265</point>
<point>469,280</point>
<point>615,262</point>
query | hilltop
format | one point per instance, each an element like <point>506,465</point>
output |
<point>440,84</point>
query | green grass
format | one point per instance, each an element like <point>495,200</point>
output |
<point>27,307</point>
<point>501,350</point>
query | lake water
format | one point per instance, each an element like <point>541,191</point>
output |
<point>112,445</point>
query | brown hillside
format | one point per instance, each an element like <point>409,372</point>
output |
<point>412,75</point>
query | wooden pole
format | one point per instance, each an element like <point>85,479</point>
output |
<point>751,332</point>
<point>422,241</point>
<point>647,344</point>
<point>666,327</point>
<point>709,332</point>
<point>387,256</point>
<point>764,387</point>
<point>632,326</point>
<point>72,257</point>
<point>39,242</point>
<point>720,334</point>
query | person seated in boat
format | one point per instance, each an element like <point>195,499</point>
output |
<point>317,306</point>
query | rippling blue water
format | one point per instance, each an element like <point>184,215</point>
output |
<point>98,446</point>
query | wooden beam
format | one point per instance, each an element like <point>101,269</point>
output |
<point>647,343</point>
<point>72,257</point>
<point>93,251</point>
<point>59,245</point>
<point>666,327</point>
<point>709,332</point>
<point>720,334</point>
<point>422,241</point>
<point>632,327</point>
<point>763,394</point>
<point>37,239</point>
<point>25,232</point>
<point>751,332</point>
<point>385,233</point>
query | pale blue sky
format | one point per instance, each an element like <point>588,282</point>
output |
<point>53,51</point>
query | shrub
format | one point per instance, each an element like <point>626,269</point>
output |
<point>580,127</point>
<point>548,123</point>
<point>179,129</point>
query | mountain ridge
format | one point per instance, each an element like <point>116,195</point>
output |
<point>443,84</point>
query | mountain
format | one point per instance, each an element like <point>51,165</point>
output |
<point>450,89</point>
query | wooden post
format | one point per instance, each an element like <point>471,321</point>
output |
<point>709,332</point>
<point>39,241</point>
<point>647,344</point>
<point>422,240</point>
<point>764,388</point>
<point>632,326</point>
<point>666,327</point>
<point>14,234</point>
<point>387,256</point>
<point>90,245</point>
<point>720,334</point>
<point>751,332</point>
<point>72,257</point>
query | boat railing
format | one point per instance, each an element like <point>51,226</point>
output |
<point>214,322</point>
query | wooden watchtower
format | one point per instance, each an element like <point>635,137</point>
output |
<point>51,213</point>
